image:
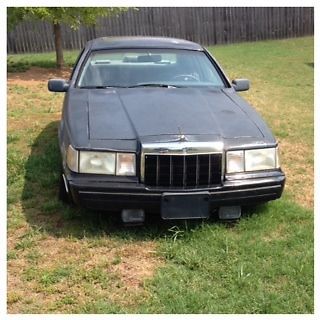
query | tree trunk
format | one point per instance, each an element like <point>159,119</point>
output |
<point>58,45</point>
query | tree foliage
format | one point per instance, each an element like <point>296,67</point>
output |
<point>71,16</point>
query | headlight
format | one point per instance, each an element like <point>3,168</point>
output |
<point>121,164</point>
<point>260,159</point>
<point>126,164</point>
<point>72,159</point>
<point>235,161</point>
<point>97,162</point>
<point>252,160</point>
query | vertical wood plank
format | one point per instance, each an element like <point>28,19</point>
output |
<point>209,26</point>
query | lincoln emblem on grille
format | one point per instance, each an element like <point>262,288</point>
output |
<point>182,137</point>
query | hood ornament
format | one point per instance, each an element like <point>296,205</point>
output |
<point>182,137</point>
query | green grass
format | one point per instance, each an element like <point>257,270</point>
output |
<point>261,265</point>
<point>69,260</point>
<point>53,276</point>
<point>23,62</point>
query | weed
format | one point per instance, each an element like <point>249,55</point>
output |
<point>12,138</point>
<point>13,297</point>
<point>33,256</point>
<point>100,306</point>
<point>95,276</point>
<point>12,255</point>
<point>49,277</point>
<point>176,233</point>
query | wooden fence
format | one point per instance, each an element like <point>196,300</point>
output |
<point>208,26</point>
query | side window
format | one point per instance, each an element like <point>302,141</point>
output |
<point>74,66</point>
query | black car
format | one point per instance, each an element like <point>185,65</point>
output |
<point>153,124</point>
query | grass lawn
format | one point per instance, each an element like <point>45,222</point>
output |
<point>68,260</point>
<point>23,62</point>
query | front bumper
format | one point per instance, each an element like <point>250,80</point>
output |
<point>113,194</point>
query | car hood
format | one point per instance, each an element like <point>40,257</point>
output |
<point>140,112</point>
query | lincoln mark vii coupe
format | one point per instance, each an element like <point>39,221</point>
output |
<point>154,125</point>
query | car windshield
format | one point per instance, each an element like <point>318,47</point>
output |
<point>148,67</point>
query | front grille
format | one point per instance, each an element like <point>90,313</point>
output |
<point>183,170</point>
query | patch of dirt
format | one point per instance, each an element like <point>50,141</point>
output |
<point>137,263</point>
<point>36,75</point>
<point>32,121</point>
<point>126,265</point>
<point>60,249</point>
<point>299,172</point>
<point>133,262</point>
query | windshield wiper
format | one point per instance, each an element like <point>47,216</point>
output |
<point>159,85</point>
<point>100,87</point>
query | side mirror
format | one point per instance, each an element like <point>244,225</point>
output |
<point>241,84</point>
<point>58,85</point>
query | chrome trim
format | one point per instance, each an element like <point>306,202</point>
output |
<point>194,193</point>
<point>65,183</point>
<point>209,173</point>
<point>197,170</point>
<point>157,173</point>
<point>121,193</point>
<point>186,192</point>
<point>75,152</point>
<point>223,165</point>
<point>184,174</point>
<point>247,190</point>
<point>170,182</point>
<point>180,148</point>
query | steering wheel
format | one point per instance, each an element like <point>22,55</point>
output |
<point>185,77</point>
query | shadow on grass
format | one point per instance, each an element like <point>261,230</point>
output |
<point>310,64</point>
<point>23,64</point>
<point>44,211</point>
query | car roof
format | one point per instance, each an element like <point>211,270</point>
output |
<point>142,42</point>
